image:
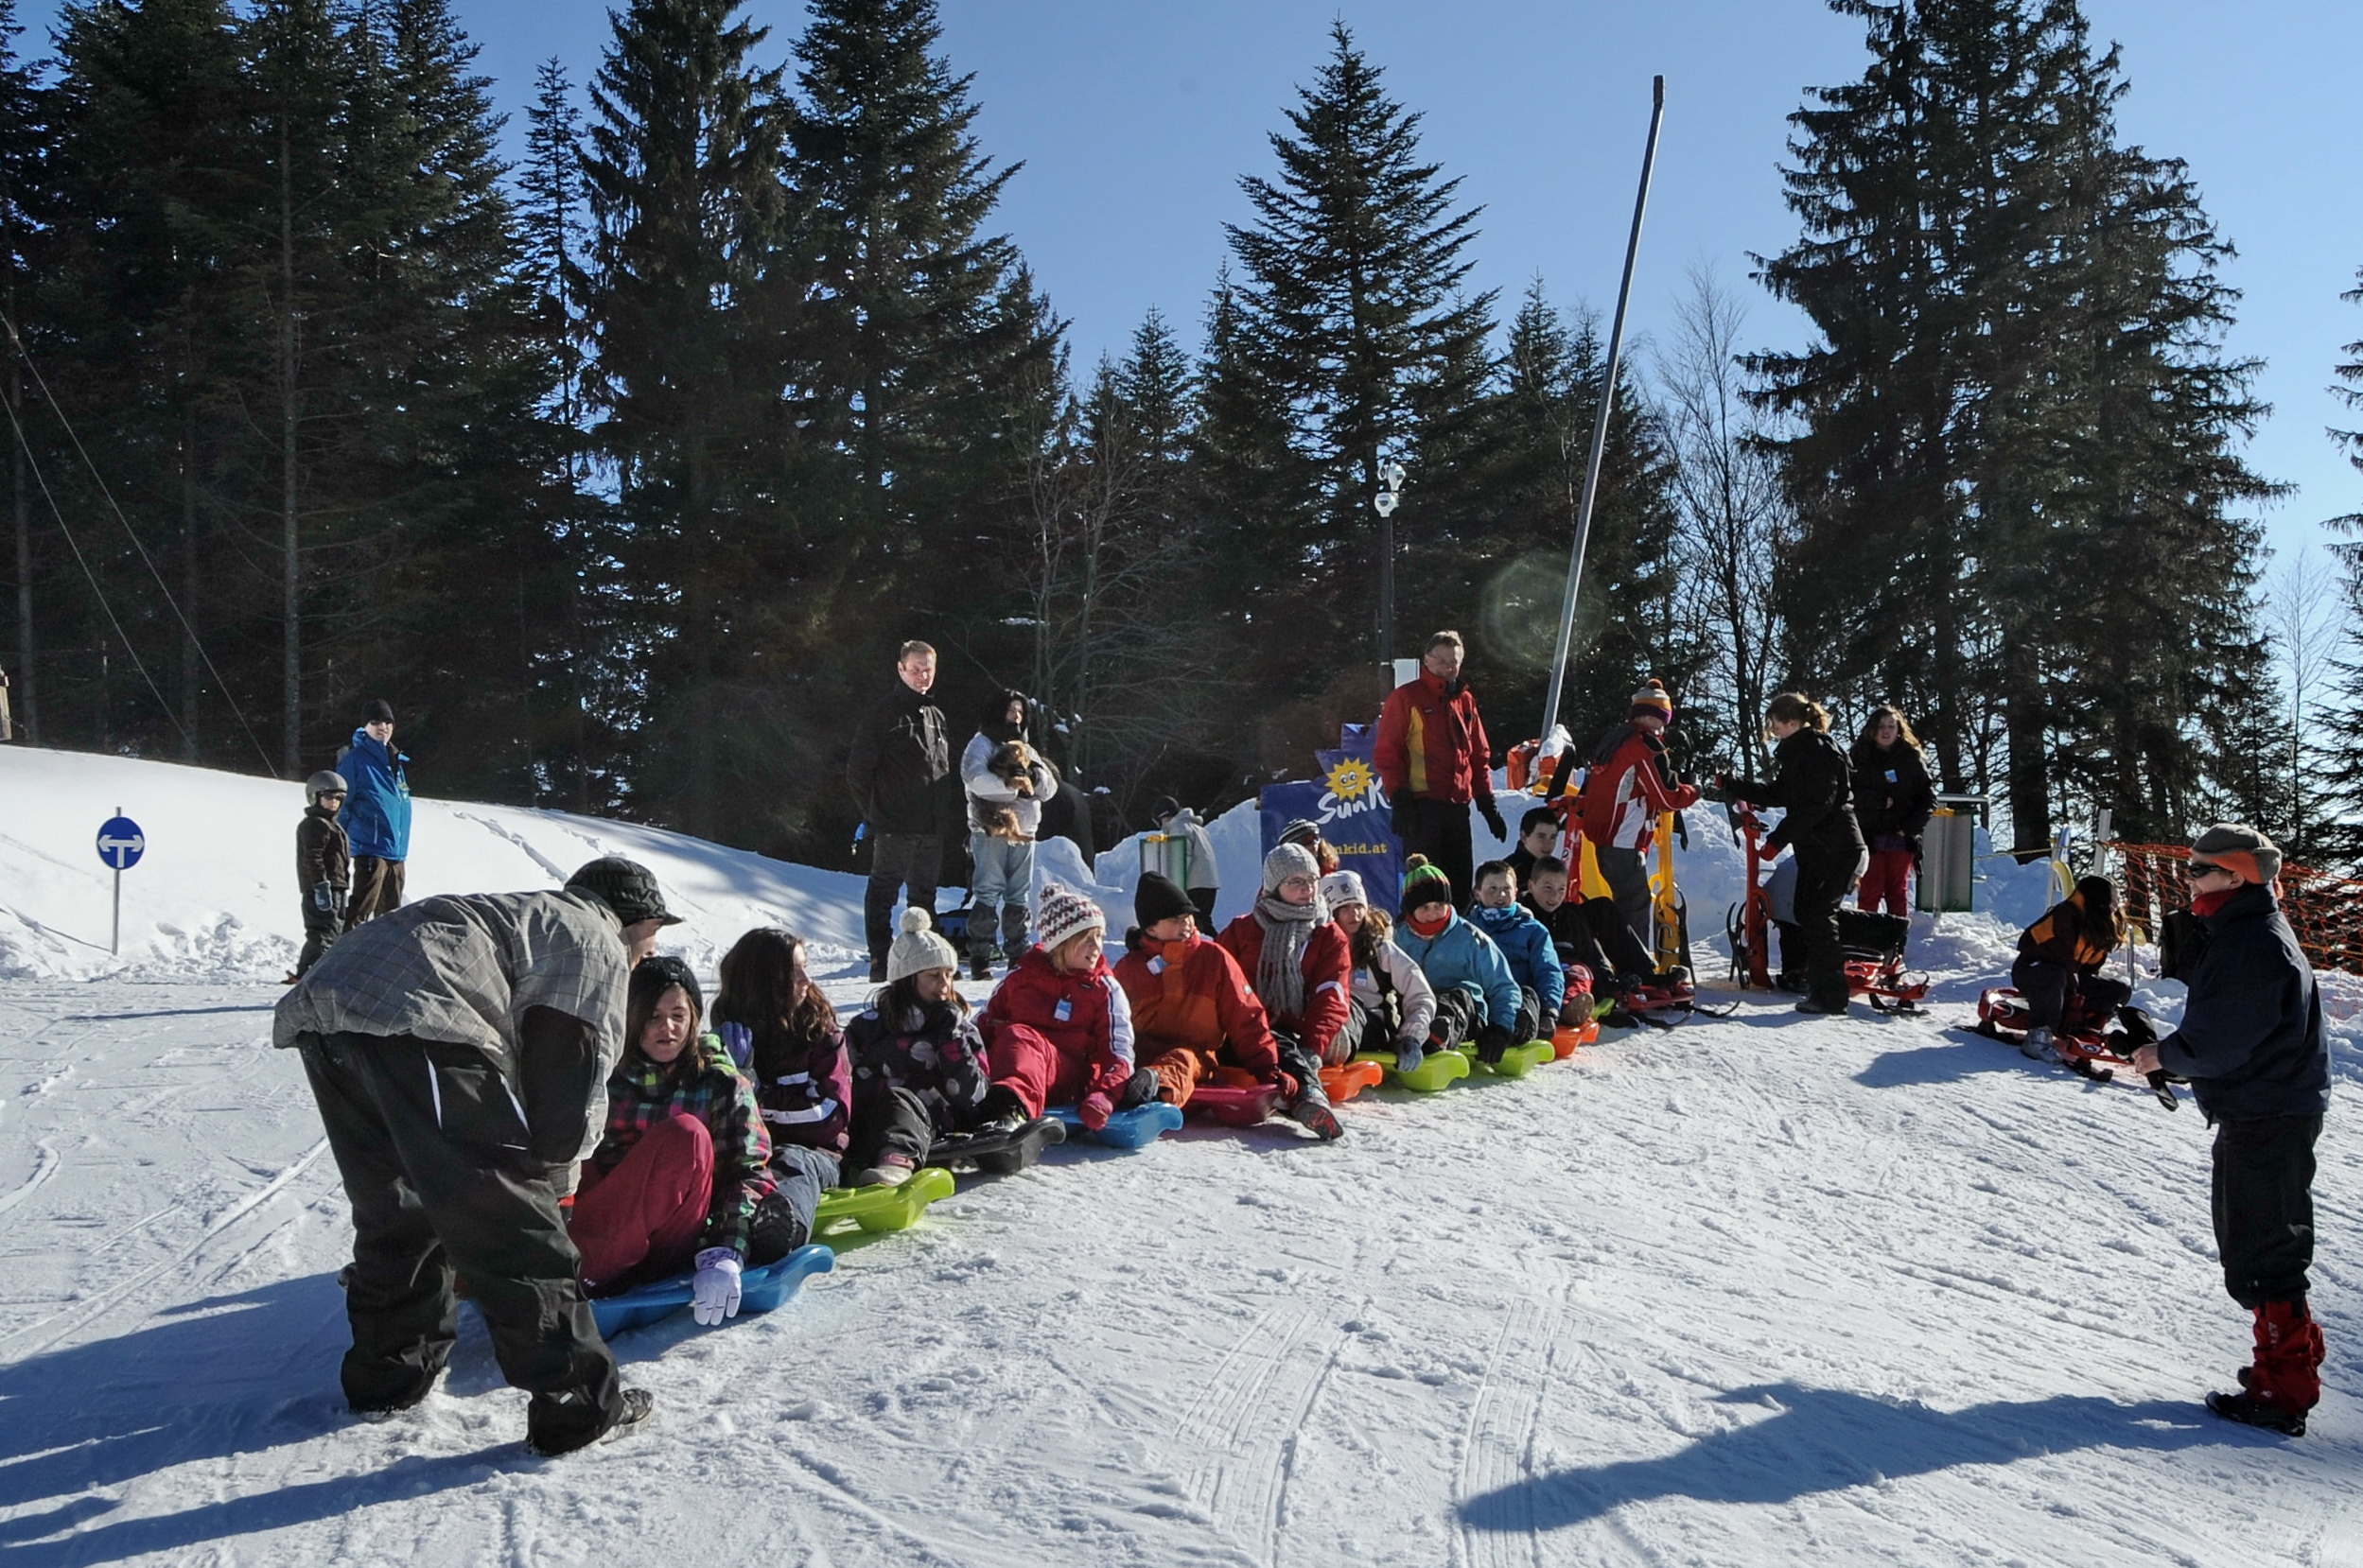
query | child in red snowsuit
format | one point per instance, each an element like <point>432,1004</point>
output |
<point>1059,1030</point>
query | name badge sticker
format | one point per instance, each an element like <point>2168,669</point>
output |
<point>1065,1011</point>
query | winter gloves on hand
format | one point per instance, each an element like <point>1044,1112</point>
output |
<point>1491,1040</point>
<point>1491,814</point>
<point>1096,1107</point>
<point>714,1289</point>
<point>328,897</point>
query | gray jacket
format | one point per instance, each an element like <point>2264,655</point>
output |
<point>465,968</point>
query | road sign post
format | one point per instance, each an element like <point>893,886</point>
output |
<point>121,845</point>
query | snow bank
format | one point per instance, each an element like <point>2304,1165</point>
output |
<point>215,896</point>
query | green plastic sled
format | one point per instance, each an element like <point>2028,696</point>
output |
<point>1519,1060</point>
<point>1436,1070</point>
<point>882,1207</point>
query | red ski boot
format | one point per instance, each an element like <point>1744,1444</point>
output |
<point>2286,1380</point>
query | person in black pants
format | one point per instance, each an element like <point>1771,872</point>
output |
<point>1814,788</point>
<point>2253,1045</point>
<point>900,772</point>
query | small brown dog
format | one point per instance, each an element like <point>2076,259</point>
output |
<point>1012,762</point>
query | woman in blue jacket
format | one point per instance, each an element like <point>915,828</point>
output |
<point>1476,997</point>
<point>377,814</point>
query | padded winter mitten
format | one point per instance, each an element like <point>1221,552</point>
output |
<point>1095,1109</point>
<point>1491,1041</point>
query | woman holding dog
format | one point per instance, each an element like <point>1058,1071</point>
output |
<point>1007,782</point>
<point>1813,786</point>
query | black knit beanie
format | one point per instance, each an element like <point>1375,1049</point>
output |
<point>1157,899</point>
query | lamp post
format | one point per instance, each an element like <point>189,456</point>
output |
<point>1390,495</point>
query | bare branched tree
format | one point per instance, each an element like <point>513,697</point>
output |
<point>2305,621</point>
<point>1734,512</point>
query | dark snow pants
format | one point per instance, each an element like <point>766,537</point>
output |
<point>1821,888</point>
<point>1626,872</point>
<point>888,1121</point>
<point>322,927</point>
<point>433,1152</point>
<point>2047,987</point>
<point>1440,830</point>
<point>897,861</point>
<point>2264,1206</point>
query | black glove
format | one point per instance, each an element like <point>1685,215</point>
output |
<point>1139,1089</point>
<point>1491,1041</point>
<point>1491,814</point>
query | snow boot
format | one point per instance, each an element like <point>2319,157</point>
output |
<point>1001,1111</point>
<point>2036,1046</point>
<point>980,967</point>
<point>1311,1109</point>
<point>2285,1381</point>
<point>892,1170</point>
<point>1820,1005</point>
<point>637,1405</point>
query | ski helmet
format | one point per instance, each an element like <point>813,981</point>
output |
<point>323,784</point>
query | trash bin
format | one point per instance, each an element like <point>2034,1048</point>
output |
<point>1169,855</point>
<point>1949,856</point>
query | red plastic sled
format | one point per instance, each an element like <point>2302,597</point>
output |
<point>1241,1106</point>
<point>1343,1083</point>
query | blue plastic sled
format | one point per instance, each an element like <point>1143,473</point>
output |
<point>1128,1129</point>
<point>760,1290</point>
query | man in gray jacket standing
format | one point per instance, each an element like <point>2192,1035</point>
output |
<point>459,1049</point>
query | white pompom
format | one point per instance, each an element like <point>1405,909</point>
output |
<point>915,920</point>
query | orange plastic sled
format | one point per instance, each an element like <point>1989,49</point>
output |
<point>1568,1036</point>
<point>1343,1083</point>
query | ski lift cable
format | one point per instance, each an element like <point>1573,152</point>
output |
<point>220,685</point>
<point>34,463</point>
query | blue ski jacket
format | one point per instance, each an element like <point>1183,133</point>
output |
<point>1461,956</point>
<point>1525,942</point>
<point>2251,1039</point>
<point>378,807</point>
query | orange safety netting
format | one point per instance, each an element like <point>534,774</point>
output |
<point>2325,910</point>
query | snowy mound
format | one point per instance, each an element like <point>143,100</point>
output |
<point>215,896</point>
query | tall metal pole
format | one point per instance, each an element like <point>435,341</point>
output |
<point>1600,425</point>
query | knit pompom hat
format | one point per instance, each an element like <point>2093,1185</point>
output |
<point>919,948</point>
<point>1287,861</point>
<point>2241,847</point>
<point>1418,875</point>
<point>1342,887</point>
<point>1652,702</point>
<point>1066,915</point>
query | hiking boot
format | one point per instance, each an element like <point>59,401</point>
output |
<point>637,1405</point>
<point>1823,1004</point>
<point>2037,1046</point>
<point>1795,985</point>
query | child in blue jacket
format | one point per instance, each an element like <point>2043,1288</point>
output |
<point>1476,997</point>
<point>1523,940</point>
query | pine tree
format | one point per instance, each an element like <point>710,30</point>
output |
<point>2343,761</point>
<point>1350,301</point>
<point>21,177</point>
<point>688,212</point>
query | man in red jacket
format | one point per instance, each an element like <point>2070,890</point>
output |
<point>1434,760</point>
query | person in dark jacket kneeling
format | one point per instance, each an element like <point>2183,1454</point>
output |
<point>1815,788</point>
<point>2251,1044</point>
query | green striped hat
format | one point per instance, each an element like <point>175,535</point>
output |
<point>1421,870</point>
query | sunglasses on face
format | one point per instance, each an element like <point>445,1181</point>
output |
<point>2204,868</point>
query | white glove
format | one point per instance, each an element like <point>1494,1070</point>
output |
<point>714,1292</point>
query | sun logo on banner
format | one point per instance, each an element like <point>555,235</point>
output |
<point>1351,779</point>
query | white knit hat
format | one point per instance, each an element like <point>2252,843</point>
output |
<point>1287,861</point>
<point>919,948</point>
<point>1342,887</point>
<point>1066,915</point>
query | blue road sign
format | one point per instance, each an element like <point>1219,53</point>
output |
<point>121,844</point>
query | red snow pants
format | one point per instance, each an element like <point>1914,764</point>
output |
<point>1887,882</point>
<point>1037,1072</point>
<point>641,1218</point>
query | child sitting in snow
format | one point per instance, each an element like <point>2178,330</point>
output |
<point>2060,956</point>
<point>1589,935</point>
<point>1302,974</point>
<point>682,1177</point>
<point>1397,1004</point>
<point>778,1026</point>
<point>1060,1029</point>
<point>1539,832</point>
<point>1523,940</point>
<point>919,1063</point>
<point>1191,1009</point>
<point>1476,997</point>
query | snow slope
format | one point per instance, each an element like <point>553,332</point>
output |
<point>1766,1290</point>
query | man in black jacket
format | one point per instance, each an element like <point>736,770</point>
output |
<point>2251,1044</point>
<point>899,773</point>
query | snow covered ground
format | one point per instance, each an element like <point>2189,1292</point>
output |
<point>1760,1291</point>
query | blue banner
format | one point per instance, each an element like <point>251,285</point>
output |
<point>1350,806</point>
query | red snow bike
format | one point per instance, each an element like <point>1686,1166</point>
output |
<point>2093,1040</point>
<point>1873,943</point>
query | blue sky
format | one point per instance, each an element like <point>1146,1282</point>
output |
<point>1134,121</point>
